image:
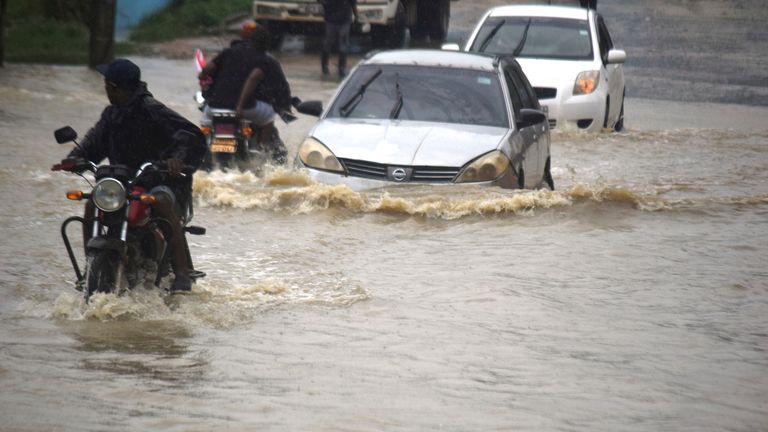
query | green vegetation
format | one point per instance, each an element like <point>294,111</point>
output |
<point>188,18</point>
<point>46,41</point>
<point>54,31</point>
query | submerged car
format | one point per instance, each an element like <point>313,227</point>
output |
<point>431,117</point>
<point>567,54</point>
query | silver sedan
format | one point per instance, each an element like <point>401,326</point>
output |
<point>430,117</point>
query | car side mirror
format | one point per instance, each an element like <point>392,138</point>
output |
<point>65,135</point>
<point>529,117</point>
<point>313,108</point>
<point>616,56</point>
<point>450,47</point>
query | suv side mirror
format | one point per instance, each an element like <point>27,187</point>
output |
<point>450,47</point>
<point>529,117</point>
<point>65,134</point>
<point>313,108</point>
<point>616,56</point>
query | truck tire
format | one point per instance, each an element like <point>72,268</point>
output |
<point>393,36</point>
<point>276,34</point>
<point>438,19</point>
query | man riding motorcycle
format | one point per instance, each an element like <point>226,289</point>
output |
<point>246,79</point>
<point>134,129</point>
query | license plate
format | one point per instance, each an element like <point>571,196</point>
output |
<point>312,9</point>
<point>223,146</point>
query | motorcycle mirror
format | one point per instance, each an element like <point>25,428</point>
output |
<point>313,108</point>
<point>65,134</point>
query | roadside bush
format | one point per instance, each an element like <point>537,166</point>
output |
<point>188,18</point>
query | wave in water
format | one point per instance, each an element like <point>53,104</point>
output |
<point>294,192</point>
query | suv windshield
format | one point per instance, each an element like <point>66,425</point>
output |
<point>432,94</point>
<point>555,38</point>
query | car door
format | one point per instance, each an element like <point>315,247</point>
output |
<point>535,136</point>
<point>614,72</point>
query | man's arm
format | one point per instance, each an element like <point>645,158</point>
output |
<point>354,10</point>
<point>248,88</point>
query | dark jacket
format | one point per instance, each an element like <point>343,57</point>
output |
<point>338,11</point>
<point>234,65</point>
<point>144,130</point>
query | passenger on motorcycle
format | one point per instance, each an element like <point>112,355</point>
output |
<point>249,81</point>
<point>134,129</point>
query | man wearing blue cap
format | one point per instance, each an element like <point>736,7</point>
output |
<point>134,129</point>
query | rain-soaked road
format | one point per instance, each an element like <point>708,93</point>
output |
<point>633,298</point>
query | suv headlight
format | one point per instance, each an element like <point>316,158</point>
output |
<point>586,82</point>
<point>315,155</point>
<point>485,168</point>
<point>109,194</point>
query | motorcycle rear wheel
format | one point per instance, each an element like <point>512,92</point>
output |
<point>101,275</point>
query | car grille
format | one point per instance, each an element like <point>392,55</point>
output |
<point>545,92</point>
<point>377,171</point>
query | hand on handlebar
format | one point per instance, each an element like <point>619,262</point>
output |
<point>175,167</point>
<point>68,164</point>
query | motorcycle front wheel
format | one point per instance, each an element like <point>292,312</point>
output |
<point>101,275</point>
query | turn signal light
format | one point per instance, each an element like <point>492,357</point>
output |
<point>147,199</point>
<point>246,131</point>
<point>75,195</point>
<point>205,130</point>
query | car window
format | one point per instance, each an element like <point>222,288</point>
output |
<point>557,38</point>
<point>433,94</point>
<point>605,38</point>
<point>523,88</point>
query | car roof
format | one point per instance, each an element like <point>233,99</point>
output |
<point>540,11</point>
<point>433,57</point>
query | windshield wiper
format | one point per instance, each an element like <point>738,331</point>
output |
<point>521,44</point>
<point>355,99</point>
<point>490,36</point>
<point>399,104</point>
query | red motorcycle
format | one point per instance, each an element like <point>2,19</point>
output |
<point>128,244</point>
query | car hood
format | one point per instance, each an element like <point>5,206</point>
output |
<point>407,143</point>
<point>553,73</point>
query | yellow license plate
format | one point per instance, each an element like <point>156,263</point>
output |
<point>223,146</point>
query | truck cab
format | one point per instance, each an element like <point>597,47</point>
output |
<point>388,19</point>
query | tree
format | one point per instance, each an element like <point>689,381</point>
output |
<point>3,4</point>
<point>102,26</point>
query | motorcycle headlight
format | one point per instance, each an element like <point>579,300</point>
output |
<point>485,168</point>
<point>315,155</point>
<point>109,195</point>
<point>586,82</point>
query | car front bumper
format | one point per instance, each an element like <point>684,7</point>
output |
<point>584,112</point>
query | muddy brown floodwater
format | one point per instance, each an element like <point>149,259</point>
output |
<point>632,298</point>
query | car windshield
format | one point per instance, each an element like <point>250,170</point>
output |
<point>556,38</point>
<point>431,94</point>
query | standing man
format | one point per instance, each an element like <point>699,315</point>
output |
<point>338,16</point>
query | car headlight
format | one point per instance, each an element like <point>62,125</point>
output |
<point>109,195</point>
<point>315,155</point>
<point>586,82</point>
<point>485,168</point>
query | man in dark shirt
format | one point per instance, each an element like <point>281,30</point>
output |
<point>135,129</point>
<point>251,82</point>
<point>338,16</point>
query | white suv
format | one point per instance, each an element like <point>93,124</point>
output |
<point>567,55</point>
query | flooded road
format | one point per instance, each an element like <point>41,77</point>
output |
<point>632,298</point>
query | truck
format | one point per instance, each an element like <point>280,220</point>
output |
<point>388,19</point>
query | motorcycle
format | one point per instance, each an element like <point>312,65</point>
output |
<point>233,143</point>
<point>128,243</point>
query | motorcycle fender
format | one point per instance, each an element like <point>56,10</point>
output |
<point>101,243</point>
